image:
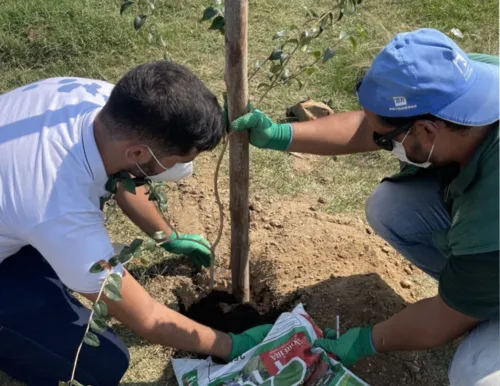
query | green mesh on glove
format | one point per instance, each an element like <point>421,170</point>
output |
<point>350,347</point>
<point>263,132</point>
<point>248,339</point>
<point>193,246</point>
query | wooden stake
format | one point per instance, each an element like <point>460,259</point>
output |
<point>236,27</point>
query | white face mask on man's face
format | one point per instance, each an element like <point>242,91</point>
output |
<point>175,173</point>
<point>398,150</point>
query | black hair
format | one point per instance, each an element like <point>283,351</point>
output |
<point>167,106</point>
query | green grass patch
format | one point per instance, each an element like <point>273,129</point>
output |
<point>89,38</point>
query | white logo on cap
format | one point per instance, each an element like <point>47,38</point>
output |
<point>463,66</point>
<point>399,101</point>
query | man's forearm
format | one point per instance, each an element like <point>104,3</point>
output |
<point>159,324</point>
<point>175,330</point>
<point>426,324</point>
<point>141,211</point>
<point>342,133</point>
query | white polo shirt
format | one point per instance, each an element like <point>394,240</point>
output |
<point>52,176</point>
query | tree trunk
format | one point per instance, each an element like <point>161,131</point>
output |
<point>236,27</point>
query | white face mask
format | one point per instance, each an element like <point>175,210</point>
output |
<point>175,173</point>
<point>398,150</point>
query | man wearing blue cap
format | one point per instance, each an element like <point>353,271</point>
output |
<point>436,109</point>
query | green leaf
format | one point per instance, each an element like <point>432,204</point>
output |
<point>354,42</point>
<point>310,70</point>
<point>315,54</point>
<point>304,48</point>
<point>276,54</point>
<point>96,268</point>
<point>257,65</point>
<point>128,184</point>
<point>114,261</point>
<point>306,38</point>
<point>209,13</point>
<point>283,58</point>
<point>126,252</point>
<point>276,68</point>
<point>111,185</point>
<point>151,38</point>
<point>162,198</point>
<point>263,85</point>
<point>112,292</point>
<point>341,14</point>
<point>144,261</point>
<point>278,35</point>
<point>218,23</point>
<point>285,74</point>
<point>115,280</point>
<point>153,195</point>
<point>97,325</point>
<point>159,236</point>
<point>328,54</point>
<point>91,339</point>
<point>270,76</point>
<point>139,21</point>
<point>100,308</point>
<point>135,245</point>
<point>361,31</point>
<point>125,5</point>
<point>150,245</point>
<point>343,35</point>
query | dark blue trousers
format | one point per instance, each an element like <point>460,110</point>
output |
<point>41,326</point>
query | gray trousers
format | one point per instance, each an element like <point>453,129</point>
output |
<point>405,214</point>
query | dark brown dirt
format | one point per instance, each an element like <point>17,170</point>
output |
<point>220,310</point>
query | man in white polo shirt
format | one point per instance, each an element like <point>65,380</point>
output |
<point>60,140</point>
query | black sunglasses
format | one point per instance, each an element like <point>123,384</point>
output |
<point>384,141</point>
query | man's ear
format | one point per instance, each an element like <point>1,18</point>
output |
<point>429,129</point>
<point>136,154</point>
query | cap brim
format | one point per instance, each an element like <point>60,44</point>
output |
<point>479,105</point>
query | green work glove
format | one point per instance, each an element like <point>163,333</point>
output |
<point>248,339</point>
<point>198,250</point>
<point>263,132</point>
<point>350,347</point>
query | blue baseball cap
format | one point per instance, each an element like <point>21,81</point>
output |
<point>425,72</point>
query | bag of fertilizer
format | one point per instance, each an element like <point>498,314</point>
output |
<point>284,358</point>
